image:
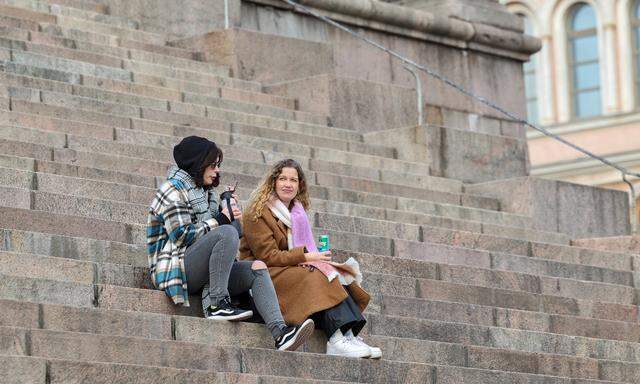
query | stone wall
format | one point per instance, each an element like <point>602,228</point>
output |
<point>556,206</point>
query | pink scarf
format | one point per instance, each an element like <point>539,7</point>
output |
<point>299,235</point>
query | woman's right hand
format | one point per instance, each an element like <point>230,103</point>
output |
<point>318,256</point>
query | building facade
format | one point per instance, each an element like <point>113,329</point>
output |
<point>584,84</point>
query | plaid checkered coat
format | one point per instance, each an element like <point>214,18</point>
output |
<point>179,215</point>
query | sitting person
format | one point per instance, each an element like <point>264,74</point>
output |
<point>192,247</point>
<point>277,232</point>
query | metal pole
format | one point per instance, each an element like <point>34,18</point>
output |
<point>226,14</point>
<point>633,205</point>
<point>419,92</point>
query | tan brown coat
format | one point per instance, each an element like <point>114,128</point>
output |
<point>301,291</point>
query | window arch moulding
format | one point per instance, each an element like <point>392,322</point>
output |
<point>560,15</point>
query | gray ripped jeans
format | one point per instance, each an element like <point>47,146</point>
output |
<point>211,267</point>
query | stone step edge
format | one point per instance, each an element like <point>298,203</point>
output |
<point>32,15</point>
<point>344,254</point>
<point>460,197</point>
<point>108,89</point>
<point>428,242</point>
<point>151,190</point>
<point>143,339</point>
<point>47,364</point>
<point>437,264</point>
<point>249,85</point>
<point>53,7</point>
<point>98,54</point>
<point>33,91</point>
<point>96,267</point>
<point>137,228</point>
<point>431,370</point>
<point>221,95</point>
<point>115,138</point>
<point>141,109</point>
<point>529,243</point>
<point>252,325</point>
<point>342,189</point>
<point>34,169</point>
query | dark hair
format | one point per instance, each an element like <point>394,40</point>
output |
<point>214,155</point>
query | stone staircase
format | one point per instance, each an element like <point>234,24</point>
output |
<point>463,292</point>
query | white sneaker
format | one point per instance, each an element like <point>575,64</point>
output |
<point>376,353</point>
<point>347,348</point>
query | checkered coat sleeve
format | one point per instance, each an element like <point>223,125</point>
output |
<point>171,228</point>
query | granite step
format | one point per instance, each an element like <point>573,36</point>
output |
<point>109,164</point>
<point>121,323</point>
<point>71,71</point>
<point>456,274</point>
<point>154,160</point>
<point>411,278</point>
<point>509,318</point>
<point>80,62</point>
<point>503,338</point>
<point>525,257</point>
<point>94,183</point>
<point>226,93</point>
<point>34,370</point>
<point>157,111</point>
<point>112,297</point>
<point>380,237</point>
<point>65,81</point>
<point>104,55</point>
<point>73,11</point>
<point>26,14</point>
<point>85,272</point>
<point>253,162</point>
<point>626,244</point>
<point>86,5</point>
<point>141,36</point>
<point>268,129</point>
<point>103,182</point>
<point>79,346</point>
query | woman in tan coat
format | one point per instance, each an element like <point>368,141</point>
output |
<point>277,232</point>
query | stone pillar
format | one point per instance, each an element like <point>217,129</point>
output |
<point>611,67</point>
<point>547,94</point>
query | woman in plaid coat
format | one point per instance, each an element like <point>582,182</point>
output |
<point>192,247</point>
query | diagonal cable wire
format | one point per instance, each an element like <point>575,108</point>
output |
<point>460,88</point>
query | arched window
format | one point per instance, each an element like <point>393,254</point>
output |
<point>530,81</point>
<point>584,61</point>
<point>635,25</point>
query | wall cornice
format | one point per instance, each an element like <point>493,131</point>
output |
<point>379,15</point>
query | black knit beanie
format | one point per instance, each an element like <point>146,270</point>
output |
<point>190,153</point>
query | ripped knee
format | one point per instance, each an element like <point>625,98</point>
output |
<point>258,265</point>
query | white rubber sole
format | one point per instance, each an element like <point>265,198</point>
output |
<point>364,354</point>
<point>376,353</point>
<point>238,317</point>
<point>305,331</point>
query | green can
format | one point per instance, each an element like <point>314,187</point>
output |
<point>323,243</point>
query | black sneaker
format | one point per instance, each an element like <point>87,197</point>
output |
<point>227,311</point>
<point>294,336</point>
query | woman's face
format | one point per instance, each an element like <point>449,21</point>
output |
<point>211,174</point>
<point>287,185</point>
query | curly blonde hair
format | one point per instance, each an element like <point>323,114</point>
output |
<point>260,196</point>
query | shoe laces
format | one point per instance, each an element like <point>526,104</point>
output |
<point>357,340</point>
<point>225,302</point>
